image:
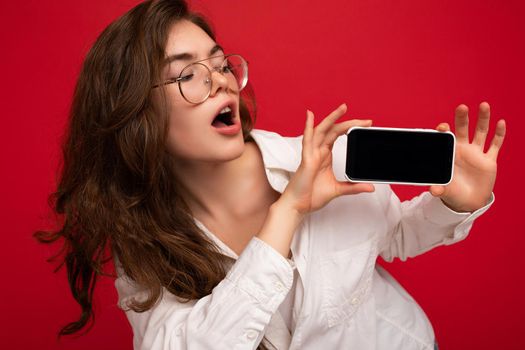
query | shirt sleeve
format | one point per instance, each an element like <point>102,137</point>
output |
<point>421,224</point>
<point>234,316</point>
<point>412,227</point>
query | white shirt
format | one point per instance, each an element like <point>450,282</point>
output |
<point>341,298</point>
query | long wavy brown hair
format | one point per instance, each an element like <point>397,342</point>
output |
<point>117,196</point>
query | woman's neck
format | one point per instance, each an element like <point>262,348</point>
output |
<point>235,188</point>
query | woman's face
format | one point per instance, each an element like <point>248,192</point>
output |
<point>194,132</point>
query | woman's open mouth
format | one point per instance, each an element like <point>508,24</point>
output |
<point>224,118</point>
<point>226,123</point>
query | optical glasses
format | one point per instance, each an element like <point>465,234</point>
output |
<point>196,83</point>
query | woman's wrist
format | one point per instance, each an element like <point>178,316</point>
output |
<point>282,209</point>
<point>470,208</point>
<point>279,227</point>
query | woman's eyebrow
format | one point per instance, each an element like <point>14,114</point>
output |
<point>215,49</point>
<point>189,56</point>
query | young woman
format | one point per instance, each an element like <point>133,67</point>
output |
<point>224,237</point>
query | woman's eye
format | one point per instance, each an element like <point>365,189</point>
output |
<point>186,77</point>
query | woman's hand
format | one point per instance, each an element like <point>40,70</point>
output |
<point>474,169</point>
<point>314,183</point>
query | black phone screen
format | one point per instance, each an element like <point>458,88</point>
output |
<point>399,156</point>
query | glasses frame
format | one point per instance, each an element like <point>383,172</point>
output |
<point>209,80</point>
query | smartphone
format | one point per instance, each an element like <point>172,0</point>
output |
<point>400,156</point>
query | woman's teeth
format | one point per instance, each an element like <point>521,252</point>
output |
<point>224,118</point>
<point>224,122</point>
<point>225,110</point>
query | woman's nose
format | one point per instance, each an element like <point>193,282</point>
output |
<point>218,82</point>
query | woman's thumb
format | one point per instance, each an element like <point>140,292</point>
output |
<point>345,188</point>
<point>437,190</point>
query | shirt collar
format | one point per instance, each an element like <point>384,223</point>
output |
<point>278,152</point>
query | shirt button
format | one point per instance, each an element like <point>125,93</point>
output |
<point>355,301</point>
<point>279,287</point>
<point>251,335</point>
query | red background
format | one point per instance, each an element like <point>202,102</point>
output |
<point>404,63</point>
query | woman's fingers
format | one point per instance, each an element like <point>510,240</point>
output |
<point>326,124</point>
<point>308,134</point>
<point>497,141</point>
<point>345,188</point>
<point>482,129</point>
<point>443,127</point>
<point>328,131</point>
<point>342,128</point>
<point>461,123</point>
<point>437,190</point>
<point>482,125</point>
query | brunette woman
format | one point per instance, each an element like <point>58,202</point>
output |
<point>225,237</point>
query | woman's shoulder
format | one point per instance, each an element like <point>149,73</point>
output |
<point>267,136</point>
<point>278,151</point>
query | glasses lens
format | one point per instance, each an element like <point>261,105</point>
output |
<point>236,69</point>
<point>195,82</point>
